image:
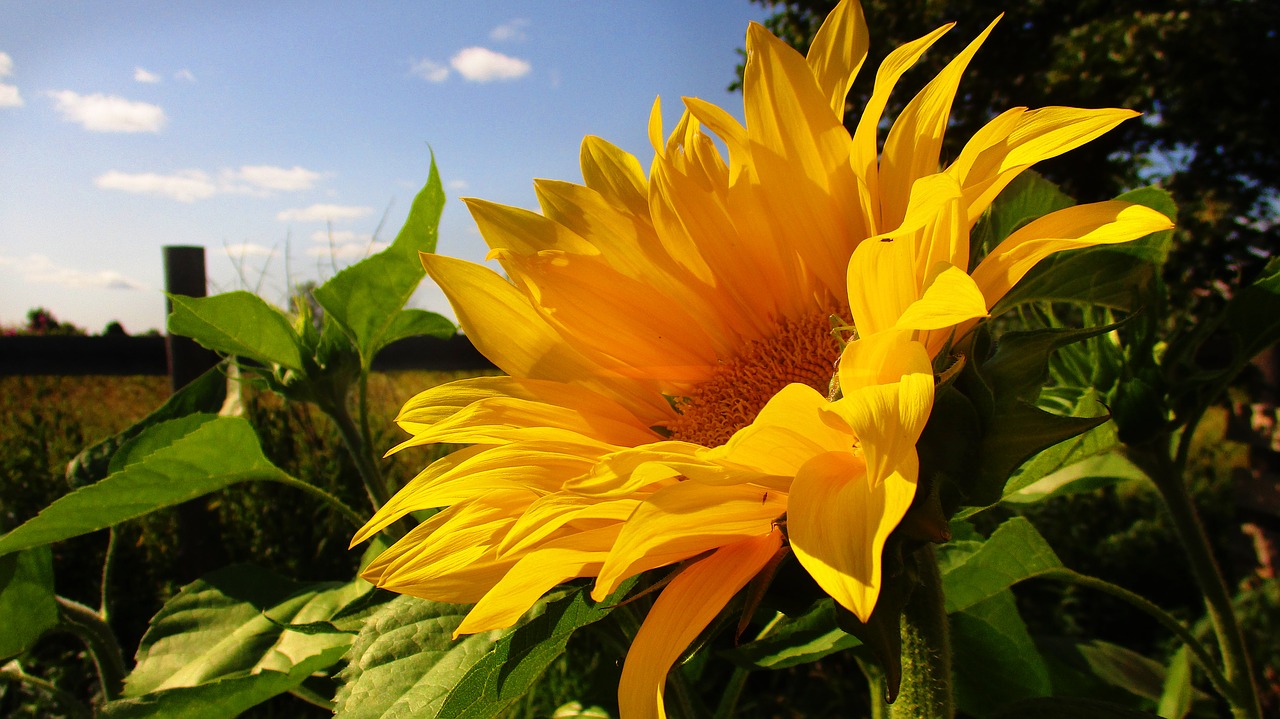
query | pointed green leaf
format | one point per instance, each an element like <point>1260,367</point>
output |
<point>404,663</point>
<point>414,322</point>
<point>1020,366</point>
<point>237,323</point>
<point>1087,475</point>
<point>365,298</point>
<point>1175,697</point>
<point>1253,315</point>
<point>205,394</point>
<point>207,454</point>
<point>27,601</point>
<point>515,662</point>
<point>994,659</point>
<point>1015,435</point>
<point>795,640</point>
<point>1014,552</point>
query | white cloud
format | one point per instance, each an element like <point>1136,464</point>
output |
<point>250,249</point>
<point>108,113</point>
<point>348,250</point>
<point>269,177</point>
<point>513,30</point>
<point>457,185</point>
<point>9,96</point>
<point>38,269</point>
<point>185,75</point>
<point>145,76</point>
<point>183,186</point>
<point>479,64</point>
<point>430,71</point>
<point>323,213</point>
<point>6,65</point>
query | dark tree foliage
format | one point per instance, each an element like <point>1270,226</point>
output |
<point>1204,73</point>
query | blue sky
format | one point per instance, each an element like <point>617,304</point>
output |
<point>261,130</point>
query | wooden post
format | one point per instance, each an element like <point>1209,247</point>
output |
<point>199,548</point>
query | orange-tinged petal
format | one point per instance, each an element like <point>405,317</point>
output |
<point>523,232</point>
<point>838,51</point>
<point>1099,223</point>
<point>504,327</point>
<point>912,148</point>
<point>838,522</point>
<point>684,520</point>
<point>685,607</point>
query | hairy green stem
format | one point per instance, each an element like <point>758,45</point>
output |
<point>107,561</point>
<point>926,648</point>
<point>74,707</point>
<point>359,448</point>
<point>876,687</point>
<point>1168,621</point>
<point>337,504</point>
<point>1167,475</point>
<point>101,642</point>
<point>312,697</point>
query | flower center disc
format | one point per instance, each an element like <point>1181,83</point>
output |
<point>801,350</point>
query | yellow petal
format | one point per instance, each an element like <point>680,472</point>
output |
<point>950,298</point>
<point>1100,223</point>
<point>788,432</point>
<point>881,284</point>
<point>838,522</point>
<point>523,232</point>
<point>911,150</point>
<point>879,359</point>
<point>684,520</point>
<point>838,51</point>
<point>685,607</point>
<point>865,148</point>
<point>616,175</point>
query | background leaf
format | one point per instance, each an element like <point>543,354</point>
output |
<point>237,323</point>
<point>404,663</point>
<point>27,602</point>
<point>796,640</point>
<point>1015,551</point>
<point>195,455</point>
<point>995,661</point>
<point>233,623</point>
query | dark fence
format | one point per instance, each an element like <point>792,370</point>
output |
<point>180,358</point>
<point>118,355</point>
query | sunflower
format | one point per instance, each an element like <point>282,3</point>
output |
<point>675,394</point>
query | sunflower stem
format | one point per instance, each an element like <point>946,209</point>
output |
<point>358,448</point>
<point>101,642</point>
<point>337,504</point>
<point>1167,474</point>
<point>926,648</point>
<point>73,707</point>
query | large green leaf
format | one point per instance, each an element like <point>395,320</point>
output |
<point>404,663</point>
<point>1070,708</point>
<point>1014,552</point>
<point>1016,434</point>
<point>1175,697</point>
<point>1253,315</point>
<point>1095,472</point>
<point>172,462</point>
<point>227,642</point>
<point>994,657</point>
<point>205,394</point>
<point>515,661</point>
<point>27,601</point>
<point>796,640</point>
<point>237,323</point>
<point>365,299</point>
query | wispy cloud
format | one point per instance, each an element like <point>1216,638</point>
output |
<point>343,245</point>
<point>270,177</point>
<point>192,185</point>
<point>324,213</point>
<point>512,30</point>
<point>185,75</point>
<point>457,185</point>
<point>145,76</point>
<point>430,71</point>
<point>250,249</point>
<point>479,64</point>
<point>183,186</point>
<point>108,113</point>
<point>39,269</point>
<point>9,95</point>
